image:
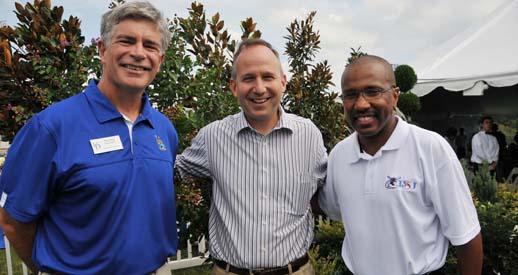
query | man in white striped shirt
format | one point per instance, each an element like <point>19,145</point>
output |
<point>265,166</point>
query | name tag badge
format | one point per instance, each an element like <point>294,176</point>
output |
<point>106,144</point>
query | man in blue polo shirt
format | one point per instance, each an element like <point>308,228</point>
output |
<point>88,183</point>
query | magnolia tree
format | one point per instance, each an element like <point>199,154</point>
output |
<point>42,60</point>
<point>307,93</point>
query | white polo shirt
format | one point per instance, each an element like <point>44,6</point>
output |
<point>484,147</point>
<point>402,205</point>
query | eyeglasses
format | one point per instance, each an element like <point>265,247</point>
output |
<point>370,93</point>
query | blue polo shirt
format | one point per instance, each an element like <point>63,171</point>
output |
<point>105,213</point>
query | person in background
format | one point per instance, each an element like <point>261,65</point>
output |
<point>88,182</point>
<point>265,166</point>
<point>502,152</point>
<point>500,137</point>
<point>484,146</point>
<point>399,189</point>
<point>460,143</point>
<point>451,133</point>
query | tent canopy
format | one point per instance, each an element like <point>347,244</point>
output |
<point>484,55</point>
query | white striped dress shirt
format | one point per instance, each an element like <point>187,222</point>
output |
<point>260,213</point>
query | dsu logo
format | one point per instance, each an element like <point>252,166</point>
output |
<point>398,183</point>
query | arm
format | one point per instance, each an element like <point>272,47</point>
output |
<point>194,160</point>
<point>327,195</point>
<point>27,179</point>
<point>21,236</point>
<point>320,172</point>
<point>470,256</point>
<point>315,207</point>
<point>494,153</point>
<point>491,150</point>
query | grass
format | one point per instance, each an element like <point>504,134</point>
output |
<point>17,263</point>
<point>200,270</point>
<point>17,266</point>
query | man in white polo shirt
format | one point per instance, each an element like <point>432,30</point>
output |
<point>484,146</point>
<point>399,189</point>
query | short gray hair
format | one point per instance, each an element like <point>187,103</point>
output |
<point>252,42</point>
<point>134,10</point>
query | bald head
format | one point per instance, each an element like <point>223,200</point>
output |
<point>372,95</point>
<point>371,60</point>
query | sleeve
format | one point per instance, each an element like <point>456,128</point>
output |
<point>194,160</point>
<point>476,149</point>
<point>327,198</point>
<point>451,197</point>
<point>321,161</point>
<point>173,139</point>
<point>28,177</point>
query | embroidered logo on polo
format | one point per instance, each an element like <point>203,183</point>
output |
<point>160,143</point>
<point>399,183</point>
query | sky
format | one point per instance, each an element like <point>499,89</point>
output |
<point>398,30</point>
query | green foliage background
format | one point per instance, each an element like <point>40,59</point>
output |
<point>44,59</point>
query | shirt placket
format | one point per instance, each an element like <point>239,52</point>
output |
<point>370,176</point>
<point>264,190</point>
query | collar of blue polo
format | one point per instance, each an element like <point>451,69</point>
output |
<point>105,111</point>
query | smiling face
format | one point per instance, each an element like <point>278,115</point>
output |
<point>132,59</point>
<point>258,86</point>
<point>372,119</point>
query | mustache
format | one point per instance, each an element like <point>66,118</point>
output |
<point>355,113</point>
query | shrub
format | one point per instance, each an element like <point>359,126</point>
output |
<point>499,222</point>
<point>405,77</point>
<point>409,103</point>
<point>482,183</point>
<point>328,240</point>
<point>497,209</point>
<point>322,265</point>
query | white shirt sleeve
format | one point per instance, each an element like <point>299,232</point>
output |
<point>327,197</point>
<point>452,200</point>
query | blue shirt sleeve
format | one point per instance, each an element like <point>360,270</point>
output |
<point>2,243</point>
<point>29,172</point>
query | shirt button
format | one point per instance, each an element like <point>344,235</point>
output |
<point>263,250</point>
<point>264,222</point>
<point>265,197</point>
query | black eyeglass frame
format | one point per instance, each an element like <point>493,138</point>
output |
<point>374,92</point>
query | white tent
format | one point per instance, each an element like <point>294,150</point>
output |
<point>485,54</point>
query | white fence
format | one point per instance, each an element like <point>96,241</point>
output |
<point>184,259</point>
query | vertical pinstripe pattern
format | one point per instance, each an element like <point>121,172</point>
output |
<point>260,214</point>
